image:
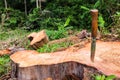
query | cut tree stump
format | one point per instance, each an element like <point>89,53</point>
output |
<point>62,71</point>
<point>69,64</point>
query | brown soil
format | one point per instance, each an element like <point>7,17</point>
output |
<point>110,37</point>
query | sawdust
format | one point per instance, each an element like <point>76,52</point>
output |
<point>111,57</point>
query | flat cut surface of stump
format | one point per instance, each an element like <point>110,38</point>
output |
<point>107,58</point>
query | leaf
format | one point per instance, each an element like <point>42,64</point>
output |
<point>13,20</point>
<point>111,77</point>
<point>101,21</point>
<point>98,77</point>
<point>67,22</point>
<point>118,13</point>
<point>85,8</point>
<point>102,77</point>
<point>97,4</point>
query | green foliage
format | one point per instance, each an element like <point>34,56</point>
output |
<point>103,77</point>
<point>101,24</point>
<point>85,8</point>
<point>55,12</point>
<point>15,37</point>
<point>61,31</point>
<point>115,26</point>
<point>38,19</point>
<point>101,21</point>
<point>12,34</point>
<point>44,19</point>
<point>53,47</point>
<point>54,34</point>
<point>4,65</point>
<point>80,11</point>
<point>10,38</point>
<point>107,10</point>
<point>11,18</point>
<point>73,9</point>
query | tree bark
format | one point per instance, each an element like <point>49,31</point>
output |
<point>62,71</point>
<point>5,4</point>
<point>37,3</point>
<point>25,2</point>
<point>40,5</point>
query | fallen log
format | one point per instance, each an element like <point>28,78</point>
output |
<point>68,64</point>
<point>11,50</point>
<point>38,39</point>
<point>5,51</point>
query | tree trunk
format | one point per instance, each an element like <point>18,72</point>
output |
<point>37,3</point>
<point>40,4</point>
<point>5,4</point>
<point>71,64</point>
<point>25,7</point>
<point>62,71</point>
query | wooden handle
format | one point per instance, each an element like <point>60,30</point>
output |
<point>94,14</point>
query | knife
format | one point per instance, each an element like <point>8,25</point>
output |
<point>94,14</point>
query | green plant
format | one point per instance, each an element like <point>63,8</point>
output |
<point>38,19</point>
<point>101,24</point>
<point>9,38</point>
<point>61,31</point>
<point>103,77</point>
<point>53,47</point>
<point>7,34</point>
<point>53,11</point>
<point>115,27</point>
<point>11,18</point>
<point>116,23</point>
<point>54,34</point>
<point>4,64</point>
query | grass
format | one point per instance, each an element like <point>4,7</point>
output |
<point>4,64</point>
<point>9,38</point>
<point>12,34</point>
<point>53,47</point>
<point>56,34</point>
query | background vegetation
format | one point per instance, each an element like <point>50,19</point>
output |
<point>53,13</point>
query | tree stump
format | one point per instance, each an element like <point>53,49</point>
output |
<point>68,64</point>
<point>62,71</point>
